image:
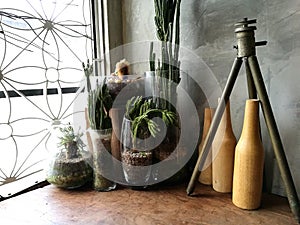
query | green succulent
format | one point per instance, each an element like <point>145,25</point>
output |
<point>141,113</point>
<point>99,104</point>
<point>88,71</point>
<point>70,141</point>
<point>167,23</point>
<point>167,18</point>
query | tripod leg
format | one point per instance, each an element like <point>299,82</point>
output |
<point>252,93</point>
<point>214,124</point>
<point>251,87</point>
<point>275,137</point>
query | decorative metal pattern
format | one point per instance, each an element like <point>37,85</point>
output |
<point>42,46</point>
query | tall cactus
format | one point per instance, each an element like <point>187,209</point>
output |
<point>99,104</point>
<point>167,13</point>
<point>88,71</point>
<point>152,58</point>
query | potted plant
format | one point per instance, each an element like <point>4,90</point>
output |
<point>99,105</point>
<point>166,77</point>
<point>167,71</point>
<point>69,166</point>
<point>139,137</point>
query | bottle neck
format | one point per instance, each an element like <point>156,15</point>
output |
<point>225,125</point>
<point>208,115</point>
<point>227,118</point>
<point>251,118</point>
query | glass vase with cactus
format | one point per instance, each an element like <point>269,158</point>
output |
<point>166,64</point>
<point>167,68</point>
<point>141,130</point>
<point>99,105</point>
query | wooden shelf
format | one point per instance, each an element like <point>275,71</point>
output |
<point>164,205</point>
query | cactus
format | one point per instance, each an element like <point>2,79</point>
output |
<point>152,58</point>
<point>167,13</point>
<point>70,142</point>
<point>88,71</point>
<point>167,19</point>
<point>99,104</point>
<point>141,113</point>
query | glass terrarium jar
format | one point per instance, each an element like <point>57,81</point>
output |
<point>102,160</point>
<point>68,163</point>
<point>136,156</point>
<point>126,87</point>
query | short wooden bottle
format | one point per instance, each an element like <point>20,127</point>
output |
<point>223,149</point>
<point>249,161</point>
<point>206,174</point>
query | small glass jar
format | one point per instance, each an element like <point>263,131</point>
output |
<point>68,163</point>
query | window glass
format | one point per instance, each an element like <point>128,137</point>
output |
<point>42,46</point>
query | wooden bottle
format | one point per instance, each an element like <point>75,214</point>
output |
<point>249,161</point>
<point>223,149</point>
<point>206,174</point>
<point>114,114</point>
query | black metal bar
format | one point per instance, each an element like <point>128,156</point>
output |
<point>37,92</point>
<point>214,125</point>
<point>275,137</point>
<point>93,11</point>
<point>260,43</point>
<point>31,188</point>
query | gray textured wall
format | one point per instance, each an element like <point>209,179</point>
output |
<point>207,29</point>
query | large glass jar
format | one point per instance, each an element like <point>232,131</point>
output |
<point>102,160</point>
<point>68,162</point>
<point>136,157</point>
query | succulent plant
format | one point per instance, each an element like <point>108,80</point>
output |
<point>167,18</point>
<point>167,13</point>
<point>70,141</point>
<point>99,104</point>
<point>141,113</point>
<point>88,71</point>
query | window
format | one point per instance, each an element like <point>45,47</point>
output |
<point>42,46</point>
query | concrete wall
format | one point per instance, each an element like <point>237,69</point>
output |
<point>207,30</point>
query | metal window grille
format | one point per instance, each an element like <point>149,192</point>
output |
<point>42,46</point>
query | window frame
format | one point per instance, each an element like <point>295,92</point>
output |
<point>99,32</point>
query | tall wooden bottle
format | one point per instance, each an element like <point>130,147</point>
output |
<point>223,149</point>
<point>249,161</point>
<point>206,174</point>
<point>114,114</point>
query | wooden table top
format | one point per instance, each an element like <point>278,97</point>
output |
<point>164,205</point>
